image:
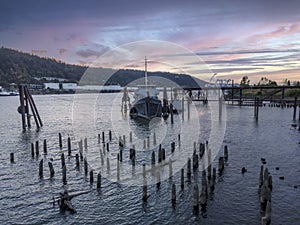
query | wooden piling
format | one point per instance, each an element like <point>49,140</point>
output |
<point>182,106</point>
<point>196,200</point>
<point>77,161</point>
<point>63,162</point>
<point>37,151</point>
<point>182,179</point>
<point>172,146</point>
<point>188,108</point>
<point>107,147</point>
<point>261,177</point>
<point>41,168</point>
<point>69,146</point>
<point>295,108</point>
<point>144,171</point>
<point>221,164</point>
<point>154,138</point>
<point>107,165</point>
<point>80,146</point>
<point>85,144</point>
<point>170,169</point>
<point>160,155</point>
<point>171,112</point>
<point>209,172</point>
<point>220,107</point>
<point>118,168</point>
<point>201,150</point>
<point>64,174</point>
<point>103,137</point>
<point>130,136</point>
<point>153,159</point>
<point>121,155</point>
<point>110,135</point>
<point>158,180</point>
<point>148,142</point>
<point>12,157</point>
<point>173,195</point>
<point>91,177</point>
<point>145,197</point>
<point>85,165</point>
<point>60,140</point>
<point>99,181</point>
<point>32,150</point>
<point>51,169</point>
<point>22,106</point>
<point>124,140</point>
<point>225,152</point>
<point>45,146</point>
<point>99,138</point>
<point>195,161</point>
<point>163,151</point>
<point>188,171</point>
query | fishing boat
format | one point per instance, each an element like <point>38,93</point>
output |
<point>146,104</point>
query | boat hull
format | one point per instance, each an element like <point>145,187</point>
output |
<point>146,108</point>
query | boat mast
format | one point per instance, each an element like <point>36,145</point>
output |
<point>146,78</point>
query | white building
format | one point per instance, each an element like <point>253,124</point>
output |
<point>54,86</point>
<point>69,86</point>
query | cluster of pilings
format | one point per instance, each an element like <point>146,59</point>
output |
<point>157,160</point>
<point>265,189</point>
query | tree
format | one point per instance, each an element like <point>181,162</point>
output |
<point>245,81</point>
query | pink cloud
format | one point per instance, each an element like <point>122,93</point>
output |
<point>281,31</point>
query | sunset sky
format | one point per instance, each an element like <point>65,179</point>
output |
<point>234,38</point>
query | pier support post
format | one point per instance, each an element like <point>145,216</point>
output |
<point>196,200</point>
<point>158,180</point>
<point>99,181</point>
<point>182,179</point>
<point>32,150</point>
<point>173,195</point>
<point>12,157</point>
<point>91,177</point>
<point>85,144</point>
<point>225,152</point>
<point>69,146</point>
<point>110,135</point>
<point>295,109</point>
<point>182,106</point>
<point>64,174</point>
<point>188,172</point>
<point>170,168</point>
<point>63,162</point>
<point>118,168</point>
<point>45,146</point>
<point>77,161</point>
<point>37,151</point>
<point>85,166</point>
<point>51,169</point>
<point>60,140</point>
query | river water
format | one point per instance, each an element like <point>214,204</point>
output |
<point>27,199</point>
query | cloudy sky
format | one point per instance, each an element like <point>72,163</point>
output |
<point>233,38</point>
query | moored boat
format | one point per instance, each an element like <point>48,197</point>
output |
<point>146,104</point>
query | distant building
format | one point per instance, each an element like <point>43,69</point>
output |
<point>69,86</point>
<point>35,86</point>
<point>54,86</point>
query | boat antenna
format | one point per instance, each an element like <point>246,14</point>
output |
<point>146,78</point>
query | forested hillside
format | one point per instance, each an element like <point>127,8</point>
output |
<point>18,67</point>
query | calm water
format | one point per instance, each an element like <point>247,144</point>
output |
<point>27,199</point>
